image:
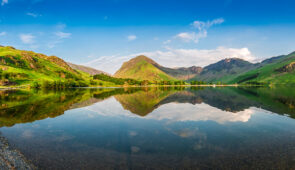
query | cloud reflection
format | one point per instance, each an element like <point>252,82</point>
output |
<point>175,112</point>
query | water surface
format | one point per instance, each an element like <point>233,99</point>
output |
<point>152,128</point>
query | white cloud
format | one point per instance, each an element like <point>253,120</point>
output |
<point>175,57</point>
<point>2,33</point>
<point>191,36</point>
<point>4,2</point>
<point>200,25</point>
<point>201,32</point>
<point>27,38</point>
<point>131,37</point>
<point>62,35</point>
<point>35,15</point>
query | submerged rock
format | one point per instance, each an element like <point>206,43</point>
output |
<point>11,158</point>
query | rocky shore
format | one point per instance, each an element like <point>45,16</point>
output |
<point>11,158</point>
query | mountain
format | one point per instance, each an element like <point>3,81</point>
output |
<point>86,69</point>
<point>224,70</point>
<point>181,73</point>
<point>19,67</point>
<point>142,68</point>
<point>276,70</point>
<point>271,60</point>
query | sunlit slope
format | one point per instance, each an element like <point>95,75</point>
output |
<point>142,68</point>
<point>21,67</point>
<point>281,71</point>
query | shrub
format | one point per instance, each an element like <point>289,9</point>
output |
<point>35,85</point>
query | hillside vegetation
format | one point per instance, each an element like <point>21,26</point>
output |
<point>142,68</point>
<point>27,68</point>
<point>278,70</point>
<point>19,67</point>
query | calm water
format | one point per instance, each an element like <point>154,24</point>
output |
<point>152,128</point>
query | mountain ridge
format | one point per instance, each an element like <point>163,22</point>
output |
<point>224,69</point>
<point>86,69</point>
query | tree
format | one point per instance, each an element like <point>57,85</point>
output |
<point>35,85</point>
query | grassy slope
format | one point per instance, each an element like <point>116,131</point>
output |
<point>269,74</point>
<point>140,68</point>
<point>87,76</point>
<point>28,66</point>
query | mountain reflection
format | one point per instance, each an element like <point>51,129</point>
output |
<point>218,104</point>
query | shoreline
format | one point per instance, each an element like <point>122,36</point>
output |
<point>188,85</point>
<point>11,158</point>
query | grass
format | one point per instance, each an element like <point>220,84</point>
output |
<point>141,69</point>
<point>19,68</point>
<point>269,73</point>
<point>25,66</point>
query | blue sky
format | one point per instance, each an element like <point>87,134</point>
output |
<point>104,33</point>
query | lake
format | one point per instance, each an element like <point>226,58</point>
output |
<point>152,128</point>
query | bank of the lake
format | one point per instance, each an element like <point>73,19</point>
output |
<point>125,86</point>
<point>11,159</point>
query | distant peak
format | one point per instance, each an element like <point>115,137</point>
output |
<point>142,57</point>
<point>145,58</point>
<point>228,60</point>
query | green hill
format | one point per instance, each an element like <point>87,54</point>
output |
<point>19,67</point>
<point>142,68</point>
<point>277,70</point>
